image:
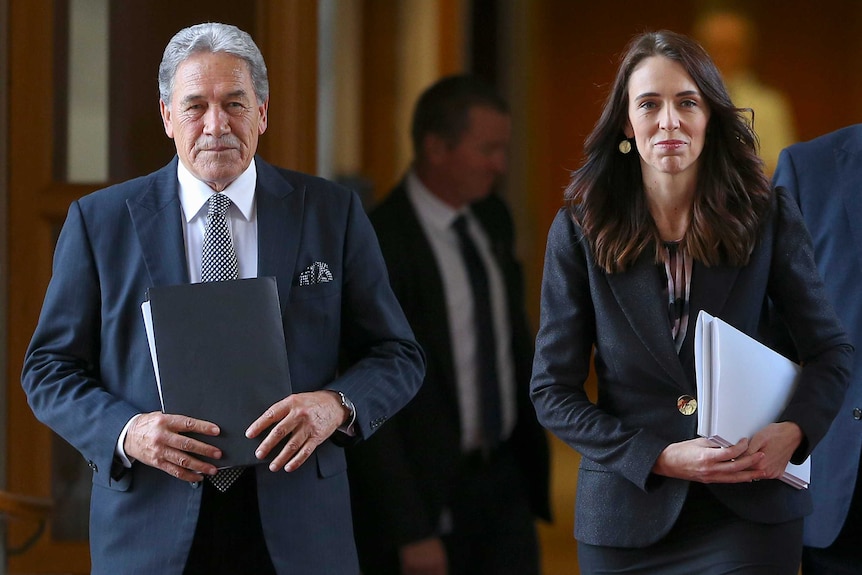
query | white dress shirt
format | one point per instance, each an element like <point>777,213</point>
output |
<point>241,219</point>
<point>436,218</point>
<point>242,222</point>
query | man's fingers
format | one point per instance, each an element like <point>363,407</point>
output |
<point>305,419</point>
<point>276,412</point>
<point>158,440</point>
<point>185,424</point>
<point>182,473</point>
<point>276,435</point>
<point>294,453</point>
<point>188,445</point>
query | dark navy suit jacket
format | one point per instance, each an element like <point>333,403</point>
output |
<point>824,176</point>
<point>88,369</point>
<point>623,317</point>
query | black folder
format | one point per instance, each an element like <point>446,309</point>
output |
<point>219,353</point>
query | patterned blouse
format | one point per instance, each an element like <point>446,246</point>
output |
<point>677,267</point>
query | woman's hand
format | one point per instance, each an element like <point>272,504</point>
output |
<point>777,441</point>
<point>699,460</point>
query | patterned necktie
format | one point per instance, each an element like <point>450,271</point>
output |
<point>486,346</point>
<point>218,263</point>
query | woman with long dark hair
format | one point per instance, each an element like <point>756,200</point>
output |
<point>670,214</point>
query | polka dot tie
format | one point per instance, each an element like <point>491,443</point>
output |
<point>218,263</point>
<point>219,258</point>
<point>225,477</point>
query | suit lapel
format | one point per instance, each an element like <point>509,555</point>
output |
<point>641,298</point>
<point>280,209</point>
<point>424,275</point>
<point>639,294</point>
<point>155,215</point>
<point>710,288</point>
<point>426,271</point>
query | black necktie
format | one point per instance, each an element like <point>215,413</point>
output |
<point>486,346</point>
<point>218,263</point>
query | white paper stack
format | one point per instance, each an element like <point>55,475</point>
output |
<point>742,386</point>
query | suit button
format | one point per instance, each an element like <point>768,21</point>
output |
<point>857,413</point>
<point>195,484</point>
<point>92,465</point>
<point>686,404</point>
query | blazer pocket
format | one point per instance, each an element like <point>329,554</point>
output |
<point>590,465</point>
<point>319,290</point>
<point>330,459</point>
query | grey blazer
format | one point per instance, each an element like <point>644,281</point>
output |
<point>624,318</point>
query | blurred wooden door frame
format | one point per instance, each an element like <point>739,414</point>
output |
<point>285,30</point>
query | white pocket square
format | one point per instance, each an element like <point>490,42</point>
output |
<point>316,273</point>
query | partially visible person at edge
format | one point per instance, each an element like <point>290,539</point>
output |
<point>671,214</point>
<point>730,37</point>
<point>443,488</point>
<point>88,372</point>
<point>824,176</point>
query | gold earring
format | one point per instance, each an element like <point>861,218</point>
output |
<point>625,146</point>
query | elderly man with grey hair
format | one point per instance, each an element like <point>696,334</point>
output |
<point>353,360</point>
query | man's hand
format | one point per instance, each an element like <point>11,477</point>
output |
<point>699,460</point>
<point>156,439</point>
<point>425,557</point>
<point>306,419</point>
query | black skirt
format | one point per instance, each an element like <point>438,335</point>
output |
<point>707,539</point>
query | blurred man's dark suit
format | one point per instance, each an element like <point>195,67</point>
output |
<point>401,479</point>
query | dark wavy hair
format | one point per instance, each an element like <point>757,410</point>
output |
<point>606,196</point>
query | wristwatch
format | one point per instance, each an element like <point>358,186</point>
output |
<point>348,405</point>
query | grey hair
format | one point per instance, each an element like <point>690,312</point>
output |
<point>212,37</point>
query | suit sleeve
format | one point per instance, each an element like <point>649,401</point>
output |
<point>564,343</point>
<point>822,346</point>
<point>61,374</point>
<point>386,364</point>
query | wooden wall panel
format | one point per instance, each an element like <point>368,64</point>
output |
<point>379,92</point>
<point>451,42</point>
<point>286,33</point>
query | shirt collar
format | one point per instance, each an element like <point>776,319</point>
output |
<point>194,194</point>
<point>434,210</point>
